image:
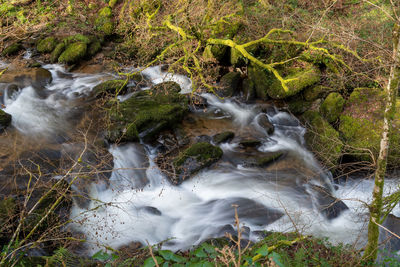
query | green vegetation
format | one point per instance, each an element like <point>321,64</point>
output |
<point>73,53</point>
<point>323,139</point>
<point>332,107</point>
<point>46,45</point>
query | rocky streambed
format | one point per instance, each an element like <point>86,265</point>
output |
<point>157,167</point>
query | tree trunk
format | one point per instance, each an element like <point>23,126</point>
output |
<point>371,250</point>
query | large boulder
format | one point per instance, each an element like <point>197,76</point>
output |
<point>332,107</point>
<point>298,77</point>
<point>361,125</point>
<point>147,113</point>
<point>195,158</point>
<point>5,120</point>
<point>322,138</point>
<point>36,77</point>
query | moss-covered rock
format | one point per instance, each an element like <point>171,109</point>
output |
<point>313,92</point>
<point>297,78</point>
<point>332,107</point>
<point>94,47</point>
<point>223,137</point>
<point>195,158</point>
<point>229,84</point>
<point>46,45</point>
<point>298,105</point>
<point>147,113</point>
<point>361,125</point>
<point>77,38</point>
<point>5,120</point>
<point>104,21</point>
<point>318,58</point>
<point>322,139</point>
<point>73,53</point>
<point>12,49</point>
<point>260,80</point>
<point>57,52</point>
<point>110,87</point>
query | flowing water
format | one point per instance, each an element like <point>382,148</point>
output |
<point>138,203</point>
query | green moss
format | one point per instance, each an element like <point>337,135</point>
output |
<point>229,84</point>
<point>94,47</point>
<point>110,87</point>
<point>298,105</point>
<point>332,107</point>
<point>218,52</point>
<point>236,58</point>
<point>151,111</point>
<point>46,45</point>
<point>204,153</point>
<point>12,49</point>
<point>322,139</point>
<point>361,125</point>
<point>57,52</point>
<point>104,21</point>
<point>5,119</point>
<point>296,82</point>
<point>260,79</point>
<point>313,92</point>
<point>105,12</point>
<point>223,137</point>
<point>77,38</point>
<point>112,3</point>
<point>315,57</point>
<point>73,53</point>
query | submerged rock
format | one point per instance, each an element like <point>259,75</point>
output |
<point>147,113</point>
<point>332,107</point>
<point>322,139</point>
<point>5,120</point>
<point>195,158</point>
<point>264,123</point>
<point>361,125</point>
<point>36,77</point>
<point>269,158</point>
<point>329,206</point>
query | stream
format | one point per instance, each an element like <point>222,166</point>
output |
<point>139,204</point>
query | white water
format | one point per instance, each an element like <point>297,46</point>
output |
<point>141,205</point>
